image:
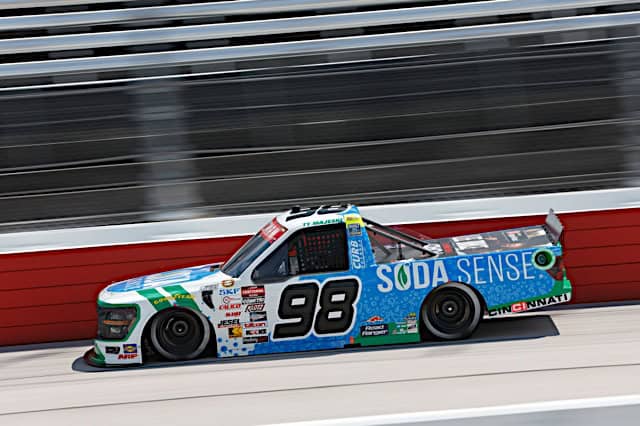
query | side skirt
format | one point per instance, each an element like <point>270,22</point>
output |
<point>519,307</point>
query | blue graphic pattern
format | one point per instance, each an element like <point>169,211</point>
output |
<point>173,277</point>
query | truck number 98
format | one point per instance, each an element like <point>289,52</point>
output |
<point>298,301</point>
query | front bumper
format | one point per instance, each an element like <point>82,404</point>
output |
<point>92,358</point>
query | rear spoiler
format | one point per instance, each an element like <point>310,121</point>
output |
<point>553,226</point>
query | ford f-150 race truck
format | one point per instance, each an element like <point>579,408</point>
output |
<point>327,278</point>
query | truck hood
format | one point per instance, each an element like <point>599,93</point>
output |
<point>165,278</point>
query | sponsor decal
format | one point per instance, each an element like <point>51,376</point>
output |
<point>175,297</point>
<point>112,349</point>
<point>400,328</point>
<point>127,356</point>
<point>230,299</point>
<point>228,323</point>
<point>256,332</point>
<point>160,300</point>
<point>535,232</point>
<point>255,324</point>
<point>470,243</point>
<point>477,270</point>
<point>252,300</point>
<point>227,283</point>
<point>412,323</point>
<point>525,306</point>
<point>228,291</point>
<point>255,339</point>
<point>374,330</point>
<point>235,332</point>
<point>257,316</point>
<point>253,291</point>
<point>447,248</point>
<point>375,318</point>
<point>352,218</point>
<point>255,307</point>
<point>322,222</point>
<point>157,300</point>
<point>272,231</point>
<point>181,297</point>
<point>354,229</point>
<point>514,235</point>
<point>232,314</point>
<point>357,254</point>
<point>230,307</point>
<point>519,307</point>
<point>130,348</point>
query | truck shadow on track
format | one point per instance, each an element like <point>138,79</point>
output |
<point>497,330</point>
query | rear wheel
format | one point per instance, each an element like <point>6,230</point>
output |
<point>179,334</point>
<point>451,312</point>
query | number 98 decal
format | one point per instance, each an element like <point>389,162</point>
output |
<point>335,314</point>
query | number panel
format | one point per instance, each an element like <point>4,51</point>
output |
<point>328,309</point>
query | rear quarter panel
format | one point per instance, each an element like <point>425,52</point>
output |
<point>392,294</point>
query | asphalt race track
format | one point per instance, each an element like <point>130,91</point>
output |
<point>556,355</point>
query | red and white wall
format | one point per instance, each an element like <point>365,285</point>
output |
<point>49,280</point>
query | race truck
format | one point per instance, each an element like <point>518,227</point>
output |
<point>327,278</point>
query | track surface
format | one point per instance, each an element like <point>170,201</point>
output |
<point>597,353</point>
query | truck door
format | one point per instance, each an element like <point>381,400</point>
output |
<point>311,294</point>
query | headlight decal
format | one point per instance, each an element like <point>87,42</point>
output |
<point>115,322</point>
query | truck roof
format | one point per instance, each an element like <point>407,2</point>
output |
<point>300,217</point>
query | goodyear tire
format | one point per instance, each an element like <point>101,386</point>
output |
<point>451,312</point>
<point>179,334</point>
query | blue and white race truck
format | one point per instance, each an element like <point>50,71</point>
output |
<point>326,278</point>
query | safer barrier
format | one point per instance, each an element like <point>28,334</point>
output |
<point>50,295</point>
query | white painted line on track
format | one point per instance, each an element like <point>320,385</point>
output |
<point>471,413</point>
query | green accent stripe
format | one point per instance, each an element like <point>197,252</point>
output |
<point>181,296</point>
<point>99,356</point>
<point>157,300</point>
<point>393,339</point>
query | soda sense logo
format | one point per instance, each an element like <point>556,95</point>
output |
<point>405,275</point>
<point>477,270</point>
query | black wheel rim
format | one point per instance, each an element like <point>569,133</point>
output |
<point>450,311</point>
<point>180,333</point>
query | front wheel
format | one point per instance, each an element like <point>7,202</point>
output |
<point>451,312</point>
<point>179,334</point>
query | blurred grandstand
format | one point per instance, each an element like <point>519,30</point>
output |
<point>117,112</point>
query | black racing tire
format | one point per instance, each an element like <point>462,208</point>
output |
<point>451,312</point>
<point>179,334</point>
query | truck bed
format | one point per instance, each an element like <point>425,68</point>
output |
<point>489,242</point>
<point>391,244</point>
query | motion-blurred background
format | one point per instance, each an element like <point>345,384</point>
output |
<point>117,112</point>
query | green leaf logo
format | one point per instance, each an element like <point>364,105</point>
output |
<point>402,277</point>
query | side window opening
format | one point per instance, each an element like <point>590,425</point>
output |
<point>312,250</point>
<point>390,244</point>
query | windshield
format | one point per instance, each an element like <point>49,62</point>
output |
<point>253,248</point>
